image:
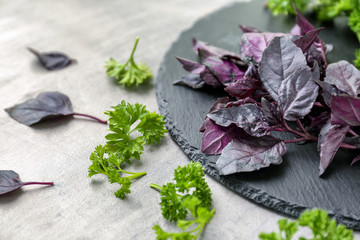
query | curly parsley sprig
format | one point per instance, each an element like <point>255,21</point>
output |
<point>188,194</point>
<point>129,73</point>
<point>124,120</point>
<point>322,227</point>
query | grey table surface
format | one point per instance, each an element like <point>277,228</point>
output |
<point>78,207</point>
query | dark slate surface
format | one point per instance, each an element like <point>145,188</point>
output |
<point>292,186</point>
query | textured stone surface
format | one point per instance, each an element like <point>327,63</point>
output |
<point>78,207</point>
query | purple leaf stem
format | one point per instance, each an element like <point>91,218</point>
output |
<point>88,116</point>
<point>38,183</point>
<point>302,127</point>
<point>353,133</point>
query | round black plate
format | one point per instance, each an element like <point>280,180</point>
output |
<point>292,186</point>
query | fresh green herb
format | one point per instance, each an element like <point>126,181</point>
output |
<point>188,193</point>
<point>357,58</point>
<point>122,147</point>
<point>325,10</point>
<point>111,167</point>
<point>129,73</point>
<point>323,228</point>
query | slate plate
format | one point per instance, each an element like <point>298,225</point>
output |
<point>292,186</point>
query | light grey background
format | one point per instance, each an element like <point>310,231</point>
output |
<point>78,207</point>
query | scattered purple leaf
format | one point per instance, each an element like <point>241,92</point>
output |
<point>53,60</point>
<point>47,105</point>
<point>10,181</point>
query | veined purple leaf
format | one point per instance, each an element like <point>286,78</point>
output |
<point>247,116</point>
<point>329,90</point>
<point>305,42</point>
<point>345,110</point>
<point>330,139</point>
<point>225,71</point>
<point>281,59</point>
<point>220,103</point>
<point>45,106</point>
<point>248,29</point>
<point>10,181</point>
<point>215,137</point>
<point>298,92</point>
<point>318,49</point>
<point>271,114</point>
<point>249,154</point>
<point>211,50</point>
<point>201,71</point>
<point>253,44</point>
<point>53,60</point>
<point>344,76</point>
<point>243,87</point>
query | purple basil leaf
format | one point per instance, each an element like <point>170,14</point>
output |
<point>46,105</point>
<point>220,103</point>
<point>344,76</point>
<point>253,44</point>
<point>252,71</point>
<point>201,71</point>
<point>281,59</point>
<point>330,139</point>
<point>53,60</point>
<point>225,71</point>
<point>249,154</point>
<point>345,110</point>
<point>318,49</point>
<point>329,90</point>
<point>247,116</point>
<point>10,181</point>
<point>305,42</point>
<point>215,137</point>
<point>297,93</point>
<point>248,29</point>
<point>243,87</point>
<point>271,114</point>
<point>211,50</point>
<point>191,80</point>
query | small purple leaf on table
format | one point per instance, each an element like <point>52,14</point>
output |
<point>298,92</point>
<point>253,44</point>
<point>46,105</point>
<point>330,139</point>
<point>53,60</point>
<point>215,137</point>
<point>345,110</point>
<point>345,76</point>
<point>250,154</point>
<point>10,181</point>
<point>247,116</point>
<point>281,59</point>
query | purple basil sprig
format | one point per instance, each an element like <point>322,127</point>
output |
<point>279,82</point>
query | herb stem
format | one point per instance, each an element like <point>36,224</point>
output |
<point>131,59</point>
<point>302,127</point>
<point>38,183</point>
<point>155,186</point>
<point>295,140</point>
<point>89,116</point>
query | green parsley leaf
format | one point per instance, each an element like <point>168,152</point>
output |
<point>121,123</point>
<point>318,221</point>
<point>129,73</point>
<point>111,167</point>
<point>188,194</point>
<point>357,58</point>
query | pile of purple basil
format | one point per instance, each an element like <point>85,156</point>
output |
<point>279,82</point>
